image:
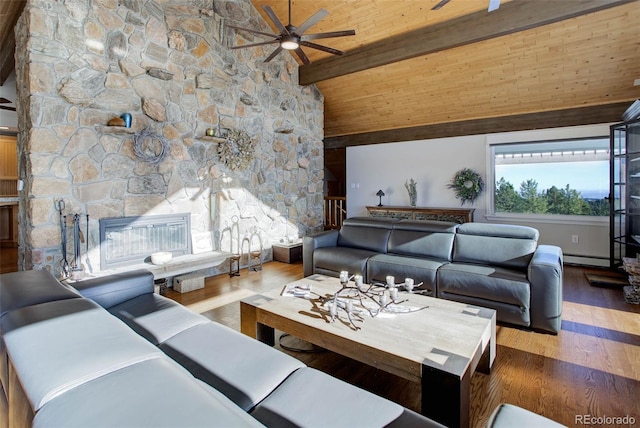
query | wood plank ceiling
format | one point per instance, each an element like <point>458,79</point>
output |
<point>10,11</point>
<point>413,72</point>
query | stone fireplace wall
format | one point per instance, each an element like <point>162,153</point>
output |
<point>80,63</point>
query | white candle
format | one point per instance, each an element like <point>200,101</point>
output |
<point>358,280</point>
<point>408,284</point>
<point>391,281</point>
<point>394,294</point>
<point>384,299</point>
<point>344,276</point>
<point>349,306</point>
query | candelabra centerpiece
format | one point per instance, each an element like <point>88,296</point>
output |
<point>358,300</point>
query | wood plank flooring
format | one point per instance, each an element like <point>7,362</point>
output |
<point>592,367</point>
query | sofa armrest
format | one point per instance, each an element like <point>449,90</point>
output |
<point>111,290</point>
<point>328,238</point>
<point>545,277</point>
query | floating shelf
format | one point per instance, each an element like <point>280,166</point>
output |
<point>122,130</point>
<point>212,139</point>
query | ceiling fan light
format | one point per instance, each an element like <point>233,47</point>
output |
<point>290,43</point>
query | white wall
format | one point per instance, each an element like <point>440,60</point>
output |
<point>433,163</point>
<point>8,91</point>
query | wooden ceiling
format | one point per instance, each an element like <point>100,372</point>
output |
<point>9,13</point>
<point>411,72</point>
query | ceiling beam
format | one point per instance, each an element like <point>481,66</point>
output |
<point>607,113</point>
<point>512,17</point>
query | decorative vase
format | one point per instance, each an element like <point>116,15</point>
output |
<point>127,119</point>
<point>410,185</point>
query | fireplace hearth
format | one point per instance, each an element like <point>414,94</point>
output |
<point>131,240</point>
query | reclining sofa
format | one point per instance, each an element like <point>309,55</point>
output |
<point>109,352</point>
<point>497,266</point>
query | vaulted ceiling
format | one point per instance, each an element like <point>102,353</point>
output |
<point>411,72</point>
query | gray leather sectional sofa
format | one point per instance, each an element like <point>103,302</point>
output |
<point>110,352</point>
<point>496,266</point>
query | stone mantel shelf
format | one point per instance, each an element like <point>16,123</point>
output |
<point>105,129</point>
<point>212,139</point>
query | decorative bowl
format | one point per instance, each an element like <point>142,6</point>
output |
<point>161,257</point>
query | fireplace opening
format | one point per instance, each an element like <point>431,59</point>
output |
<point>126,241</point>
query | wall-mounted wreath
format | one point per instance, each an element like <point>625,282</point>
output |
<point>467,184</point>
<point>237,150</point>
<point>150,146</point>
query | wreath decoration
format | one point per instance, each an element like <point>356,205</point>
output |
<point>237,150</point>
<point>150,146</point>
<point>467,184</point>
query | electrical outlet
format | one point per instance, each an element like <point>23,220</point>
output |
<point>574,239</point>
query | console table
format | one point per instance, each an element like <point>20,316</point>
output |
<point>455,215</point>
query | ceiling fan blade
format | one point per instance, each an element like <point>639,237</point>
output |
<point>273,54</point>
<point>329,35</point>
<point>322,48</point>
<point>3,100</point>
<point>493,5</point>
<point>7,108</point>
<point>252,31</point>
<point>255,44</point>
<point>303,57</point>
<point>441,4</point>
<point>274,18</point>
<point>311,21</point>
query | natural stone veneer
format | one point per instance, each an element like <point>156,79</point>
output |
<point>80,63</point>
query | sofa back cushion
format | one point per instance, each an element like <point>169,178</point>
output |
<point>433,239</point>
<point>508,246</point>
<point>366,233</point>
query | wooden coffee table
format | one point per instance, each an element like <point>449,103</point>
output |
<point>440,346</point>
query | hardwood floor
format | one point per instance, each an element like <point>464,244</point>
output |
<point>592,367</point>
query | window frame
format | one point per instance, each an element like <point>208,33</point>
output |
<point>490,189</point>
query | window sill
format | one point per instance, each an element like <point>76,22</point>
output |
<point>551,219</point>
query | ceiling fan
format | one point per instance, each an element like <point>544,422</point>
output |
<point>292,38</point>
<point>493,5</point>
<point>6,101</point>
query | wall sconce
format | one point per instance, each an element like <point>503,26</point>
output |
<point>380,194</point>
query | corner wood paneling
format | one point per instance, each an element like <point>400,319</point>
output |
<point>521,122</point>
<point>454,215</point>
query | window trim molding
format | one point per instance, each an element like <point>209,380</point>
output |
<point>538,136</point>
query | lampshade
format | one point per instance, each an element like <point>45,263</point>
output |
<point>380,193</point>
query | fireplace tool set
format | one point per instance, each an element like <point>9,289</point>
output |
<point>75,267</point>
<point>254,252</point>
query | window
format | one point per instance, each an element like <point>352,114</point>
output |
<point>567,177</point>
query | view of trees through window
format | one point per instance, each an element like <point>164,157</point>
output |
<point>562,178</point>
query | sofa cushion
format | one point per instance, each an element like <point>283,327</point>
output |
<point>401,267</point>
<point>329,260</point>
<point>507,246</point>
<point>154,393</point>
<point>59,345</point>
<point>432,239</point>
<point>155,317</point>
<point>508,415</point>
<point>506,291</point>
<point>26,288</point>
<point>242,368</point>
<point>309,398</point>
<point>111,290</point>
<point>365,233</point>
